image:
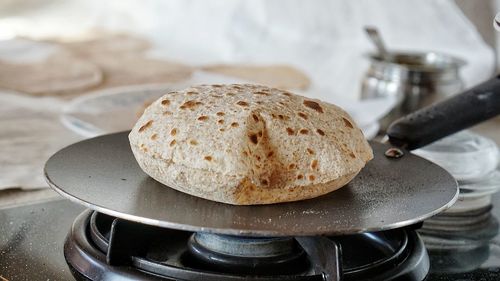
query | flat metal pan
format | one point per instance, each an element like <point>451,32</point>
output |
<point>102,174</point>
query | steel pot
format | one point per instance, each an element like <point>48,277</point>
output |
<point>415,79</point>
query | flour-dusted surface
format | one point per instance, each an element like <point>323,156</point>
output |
<point>31,132</point>
<point>248,144</point>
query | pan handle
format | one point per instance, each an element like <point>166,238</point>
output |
<point>447,117</point>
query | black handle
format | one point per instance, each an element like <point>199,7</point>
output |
<point>447,117</point>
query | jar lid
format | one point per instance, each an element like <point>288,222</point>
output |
<point>416,68</point>
<point>419,61</point>
<point>465,155</point>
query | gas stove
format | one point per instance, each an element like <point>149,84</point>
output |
<point>59,240</point>
<point>139,229</point>
<point>137,251</point>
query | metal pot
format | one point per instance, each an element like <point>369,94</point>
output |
<point>415,79</point>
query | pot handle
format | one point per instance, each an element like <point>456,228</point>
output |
<point>447,117</point>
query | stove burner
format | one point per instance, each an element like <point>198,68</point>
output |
<point>242,246</point>
<point>100,247</point>
<point>247,255</point>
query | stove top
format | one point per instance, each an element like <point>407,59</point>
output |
<point>101,247</point>
<point>33,238</point>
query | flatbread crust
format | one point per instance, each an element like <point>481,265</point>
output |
<point>248,144</point>
<point>126,69</point>
<point>122,60</point>
<point>58,74</point>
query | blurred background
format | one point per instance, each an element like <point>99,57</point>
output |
<point>75,69</point>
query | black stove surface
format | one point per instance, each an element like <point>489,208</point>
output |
<point>32,238</point>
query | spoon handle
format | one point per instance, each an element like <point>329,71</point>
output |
<point>376,39</point>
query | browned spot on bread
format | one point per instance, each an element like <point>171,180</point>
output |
<point>167,113</point>
<point>273,115</point>
<point>220,113</point>
<point>145,126</point>
<point>165,102</point>
<point>253,138</point>
<point>347,123</point>
<point>245,153</point>
<point>320,132</point>
<point>352,155</point>
<point>291,166</point>
<point>154,136</point>
<point>281,117</point>
<point>258,102</point>
<point>264,182</point>
<point>190,104</point>
<point>234,124</point>
<point>261,93</point>
<point>173,132</point>
<point>260,134</point>
<point>313,105</point>
<point>237,87</point>
<point>203,118</point>
<point>270,154</point>
<point>220,121</point>
<point>208,158</point>
<point>290,131</point>
<point>172,143</point>
<point>230,94</point>
<point>257,157</point>
<point>216,96</point>
<point>217,85</point>
<point>304,131</point>
<point>282,103</point>
<point>310,151</point>
<point>286,94</point>
<point>312,177</point>
<point>190,93</point>
<point>255,118</point>
<point>193,142</point>
<point>303,115</point>
<point>242,103</point>
<point>222,129</point>
<point>314,164</point>
<point>299,176</point>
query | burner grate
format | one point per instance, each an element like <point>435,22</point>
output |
<point>100,247</point>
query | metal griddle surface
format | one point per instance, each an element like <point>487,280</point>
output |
<point>102,174</point>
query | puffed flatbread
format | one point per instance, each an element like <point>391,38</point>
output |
<point>248,144</point>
